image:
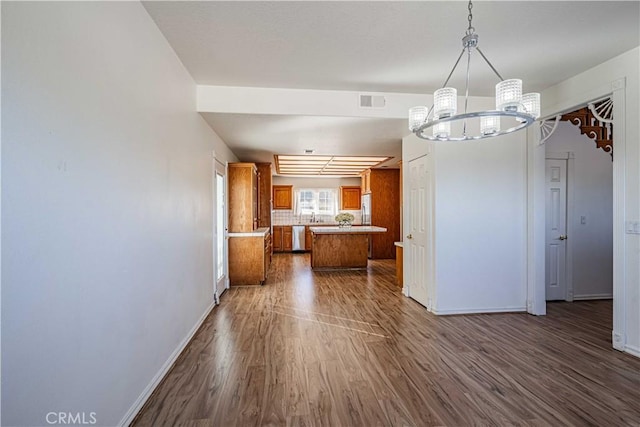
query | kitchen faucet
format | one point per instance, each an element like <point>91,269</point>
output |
<point>313,217</point>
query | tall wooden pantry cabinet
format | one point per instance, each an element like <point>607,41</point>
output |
<point>249,244</point>
<point>384,187</point>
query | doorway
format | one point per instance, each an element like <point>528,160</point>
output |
<point>536,301</point>
<point>580,247</point>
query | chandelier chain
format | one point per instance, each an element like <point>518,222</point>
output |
<point>470,29</point>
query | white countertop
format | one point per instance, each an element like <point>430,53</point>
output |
<point>356,229</point>
<point>310,224</point>
<point>399,244</point>
<point>258,232</point>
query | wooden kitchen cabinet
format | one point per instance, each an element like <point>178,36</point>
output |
<point>365,182</point>
<point>277,238</point>
<point>287,238</point>
<point>399,265</point>
<point>308,235</point>
<point>283,197</point>
<point>268,250</point>
<point>282,238</point>
<point>243,197</point>
<point>350,198</point>
<point>249,259</point>
<point>384,187</point>
<point>264,194</point>
<point>307,238</point>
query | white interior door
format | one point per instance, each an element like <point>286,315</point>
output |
<point>417,241</point>
<point>556,229</point>
<point>220,234</point>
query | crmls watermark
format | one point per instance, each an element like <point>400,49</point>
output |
<point>71,418</point>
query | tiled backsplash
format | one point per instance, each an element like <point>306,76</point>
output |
<point>287,217</point>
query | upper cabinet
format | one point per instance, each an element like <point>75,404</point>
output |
<point>243,197</point>
<point>350,198</point>
<point>264,194</point>
<point>365,184</point>
<point>283,197</point>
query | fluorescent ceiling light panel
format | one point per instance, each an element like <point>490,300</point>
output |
<point>325,165</point>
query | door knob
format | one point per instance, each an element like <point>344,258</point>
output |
<point>409,236</point>
<point>562,237</point>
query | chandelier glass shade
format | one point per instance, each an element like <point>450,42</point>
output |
<point>514,111</point>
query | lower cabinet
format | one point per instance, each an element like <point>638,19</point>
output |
<point>249,259</point>
<point>399,265</point>
<point>282,238</point>
<point>267,253</point>
<point>277,238</point>
<point>287,238</point>
<point>307,238</point>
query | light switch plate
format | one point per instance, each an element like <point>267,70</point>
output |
<point>633,227</point>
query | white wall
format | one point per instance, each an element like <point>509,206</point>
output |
<point>480,224</point>
<point>299,182</point>
<point>106,208</point>
<point>592,185</point>
<point>618,75</point>
<point>479,220</point>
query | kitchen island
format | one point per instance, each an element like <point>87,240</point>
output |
<point>341,248</point>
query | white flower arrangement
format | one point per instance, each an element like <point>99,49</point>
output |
<point>344,219</point>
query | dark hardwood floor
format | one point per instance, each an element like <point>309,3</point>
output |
<point>347,349</point>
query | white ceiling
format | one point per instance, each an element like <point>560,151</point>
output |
<point>402,47</point>
<point>257,137</point>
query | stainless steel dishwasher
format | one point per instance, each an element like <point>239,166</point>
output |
<point>298,238</point>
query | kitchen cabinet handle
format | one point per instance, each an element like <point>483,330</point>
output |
<point>409,236</point>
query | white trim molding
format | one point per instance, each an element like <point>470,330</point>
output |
<point>586,297</point>
<point>451,311</point>
<point>619,203</point>
<point>635,351</point>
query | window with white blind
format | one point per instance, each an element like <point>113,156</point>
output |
<point>318,201</point>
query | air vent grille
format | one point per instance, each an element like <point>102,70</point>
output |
<point>372,101</point>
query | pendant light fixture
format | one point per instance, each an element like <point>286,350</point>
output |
<point>517,110</point>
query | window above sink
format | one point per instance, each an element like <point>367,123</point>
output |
<point>315,201</point>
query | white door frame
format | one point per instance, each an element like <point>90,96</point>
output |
<point>536,303</point>
<point>219,168</point>
<point>569,157</point>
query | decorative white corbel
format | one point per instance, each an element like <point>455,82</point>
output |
<point>603,112</point>
<point>547,127</point>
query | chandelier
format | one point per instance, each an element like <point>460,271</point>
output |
<point>517,110</point>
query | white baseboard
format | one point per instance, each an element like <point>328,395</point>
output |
<point>634,351</point>
<point>142,399</point>
<point>585,297</point>
<point>479,310</point>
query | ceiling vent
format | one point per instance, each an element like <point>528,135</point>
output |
<point>372,101</point>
